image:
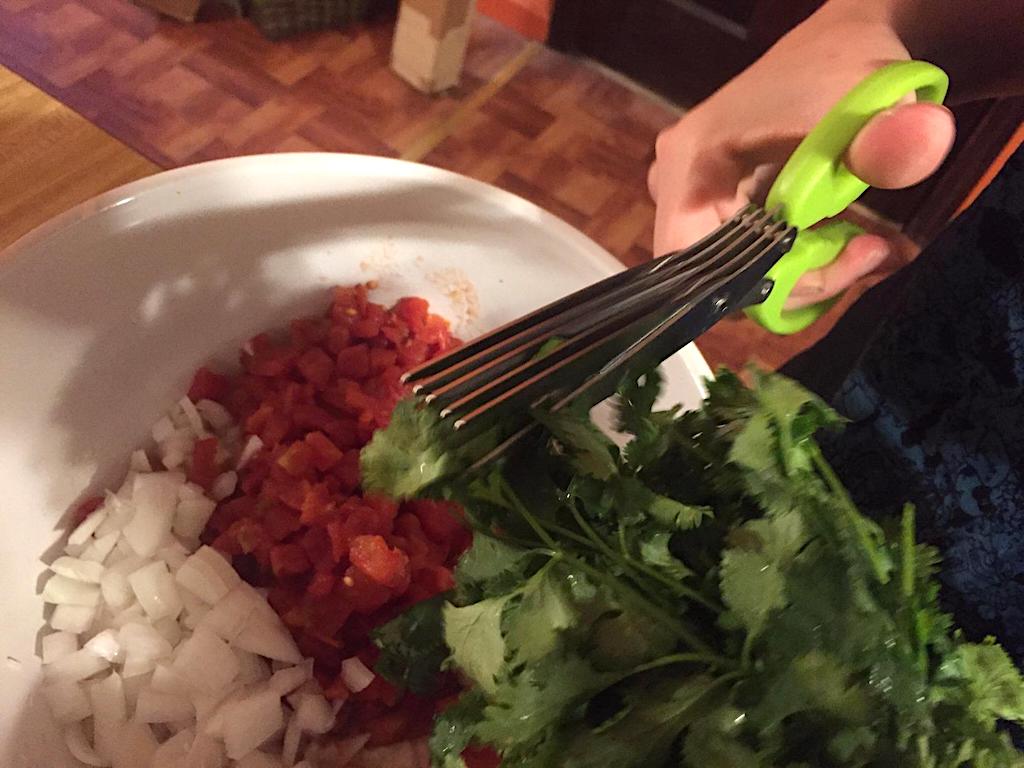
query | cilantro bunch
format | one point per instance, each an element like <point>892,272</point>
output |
<point>707,596</point>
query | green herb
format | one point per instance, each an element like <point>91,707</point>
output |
<point>706,597</point>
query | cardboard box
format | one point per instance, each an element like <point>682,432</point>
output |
<point>431,37</point>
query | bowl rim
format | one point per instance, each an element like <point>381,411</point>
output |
<point>322,162</point>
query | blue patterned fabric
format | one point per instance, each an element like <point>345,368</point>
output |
<point>936,403</point>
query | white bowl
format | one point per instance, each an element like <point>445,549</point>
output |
<point>107,310</point>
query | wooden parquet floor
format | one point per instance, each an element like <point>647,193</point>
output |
<point>553,129</point>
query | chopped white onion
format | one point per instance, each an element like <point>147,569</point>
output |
<point>286,680</point>
<point>154,496</point>
<point>163,429</point>
<point>268,638</point>
<point>156,590</point>
<point>133,686</point>
<point>257,759</point>
<point>341,752</point>
<point>292,739</point>
<point>356,675</point>
<point>108,713</point>
<point>252,668</point>
<point>174,451</point>
<point>191,517</point>
<point>166,680</point>
<point>174,553</point>
<point>67,701</point>
<point>169,629</point>
<point>133,614</point>
<point>207,574</point>
<point>61,590</point>
<point>228,617</point>
<point>251,448</point>
<point>80,748</point>
<point>206,752</point>
<point>162,707</point>
<point>117,592</point>
<point>80,570</point>
<point>87,527</point>
<point>194,608</point>
<point>206,662</point>
<point>99,549</point>
<point>250,722</point>
<point>190,491</point>
<point>143,648</point>
<point>106,645</point>
<point>195,421</point>
<point>224,485</point>
<point>139,461</point>
<point>118,512</point>
<point>215,414</point>
<point>135,746</point>
<point>314,714</point>
<point>57,645</point>
<point>172,753</point>
<point>73,618</point>
<point>76,666</point>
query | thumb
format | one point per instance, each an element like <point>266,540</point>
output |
<point>862,255</point>
<point>902,146</point>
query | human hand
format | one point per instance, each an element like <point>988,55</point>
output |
<point>727,150</point>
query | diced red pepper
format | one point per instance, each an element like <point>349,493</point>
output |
<point>203,469</point>
<point>316,365</point>
<point>207,385</point>
<point>322,584</point>
<point>297,459</point>
<point>281,521</point>
<point>354,362</point>
<point>325,453</point>
<point>288,560</point>
<point>385,565</point>
<point>481,757</point>
<point>316,505</point>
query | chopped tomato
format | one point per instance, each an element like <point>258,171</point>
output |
<point>386,565</point>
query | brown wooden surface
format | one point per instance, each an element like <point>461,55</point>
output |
<point>544,125</point>
<point>52,158</point>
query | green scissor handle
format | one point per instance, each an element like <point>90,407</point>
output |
<point>814,185</point>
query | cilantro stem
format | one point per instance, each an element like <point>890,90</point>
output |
<point>686,658</point>
<point>641,602</point>
<point>630,563</point>
<point>852,513</point>
<point>529,517</point>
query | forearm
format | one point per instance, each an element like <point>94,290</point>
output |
<point>980,43</point>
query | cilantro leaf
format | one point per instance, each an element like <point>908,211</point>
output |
<point>473,633</point>
<point>455,729</point>
<point>654,550</point>
<point>658,710</point>
<point>490,567</point>
<point>538,616</point>
<point>752,587</point>
<point>525,708</point>
<point>408,455</point>
<point>591,452</point>
<point>413,648</point>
